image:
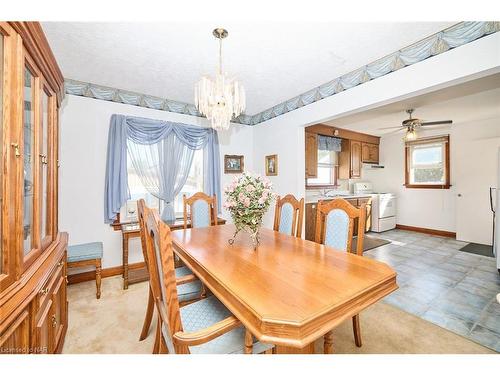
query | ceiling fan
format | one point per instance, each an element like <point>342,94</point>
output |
<point>411,125</point>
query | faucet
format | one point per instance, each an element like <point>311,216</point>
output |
<point>326,191</point>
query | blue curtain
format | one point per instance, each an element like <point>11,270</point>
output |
<point>173,139</point>
<point>326,143</point>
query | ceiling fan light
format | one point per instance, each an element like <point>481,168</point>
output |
<point>410,135</point>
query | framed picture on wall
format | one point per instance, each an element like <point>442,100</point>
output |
<point>233,163</point>
<point>272,165</point>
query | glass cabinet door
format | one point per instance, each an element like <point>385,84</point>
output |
<point>29,160</point>
<point>45,175</point>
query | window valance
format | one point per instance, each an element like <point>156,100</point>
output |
<point>175,143</point>
<point>326,143</point>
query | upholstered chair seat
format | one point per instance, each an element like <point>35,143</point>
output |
<point>207,312</point>
<point>86,251</point>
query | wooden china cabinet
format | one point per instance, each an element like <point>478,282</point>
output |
<point>33,303</point>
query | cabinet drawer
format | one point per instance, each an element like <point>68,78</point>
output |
<point>44,294</point>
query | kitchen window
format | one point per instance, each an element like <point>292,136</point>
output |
<point>428,163</point>
<point>327,170</point>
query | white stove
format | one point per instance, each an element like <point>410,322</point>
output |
<point>383,207</point>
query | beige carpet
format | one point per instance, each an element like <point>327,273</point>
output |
<point>113,324</point>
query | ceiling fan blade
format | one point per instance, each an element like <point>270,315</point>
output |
<point>393,127</point>
<point>394,131</point>
<point>445,122</point>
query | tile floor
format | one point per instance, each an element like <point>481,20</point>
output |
<point>443,285</point>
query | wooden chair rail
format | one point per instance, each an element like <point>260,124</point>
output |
<point>185,279</point>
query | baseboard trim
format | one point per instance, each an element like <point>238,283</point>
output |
<point>105,272</point>
<point>435,232</point>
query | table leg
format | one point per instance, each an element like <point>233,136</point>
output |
<point>308,349</point>
<point>328,343</point>
<point>125,261</point>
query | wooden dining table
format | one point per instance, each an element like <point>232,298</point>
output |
<point>288,292</point>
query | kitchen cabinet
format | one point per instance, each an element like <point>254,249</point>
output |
<point>370,153</point>
<point>311,155</point>
<point>33,303</point>
<point>350,160</point>
<point>16,339</point>
<point>355,159</point>
<point>310,216</point>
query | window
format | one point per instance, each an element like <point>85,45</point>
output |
<point>427,163</point>
<point>193,184</point>
<point>327,170</point>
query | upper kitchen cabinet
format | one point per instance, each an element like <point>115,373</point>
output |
<point>355,149</point>
<point>311,155</point>
<point>350,160</point>
<point>370,153</point>
<point>32,250</point>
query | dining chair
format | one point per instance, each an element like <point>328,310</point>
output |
<point>189,289</point>
<point>205,326</point>
<point>202,210</point>
<point>334,228</point>
<point>288,215</point>
<point>202,213</point>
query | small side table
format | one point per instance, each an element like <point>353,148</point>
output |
<point>135,275</point>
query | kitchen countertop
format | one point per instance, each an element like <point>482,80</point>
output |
<point>315,199</point>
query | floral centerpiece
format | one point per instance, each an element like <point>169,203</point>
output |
<point>248,197</point>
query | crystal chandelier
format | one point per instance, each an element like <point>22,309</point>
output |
<point>220,98</point>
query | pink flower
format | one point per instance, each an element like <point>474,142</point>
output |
<point>250,188</point>
<point>247,202</point>
<point>262,200</point>
<point>229,204</point>
<point>241,197</point>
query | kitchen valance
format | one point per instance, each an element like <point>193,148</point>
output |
<point>326,143</point>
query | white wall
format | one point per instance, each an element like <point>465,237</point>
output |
<point>284,135</point>
<point>437,209</point>
<point>84,137</point>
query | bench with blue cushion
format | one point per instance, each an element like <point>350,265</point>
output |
<point>84,255</point>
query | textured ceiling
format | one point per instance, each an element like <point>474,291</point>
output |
<point>275,62</point>
<point>467,102</point>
